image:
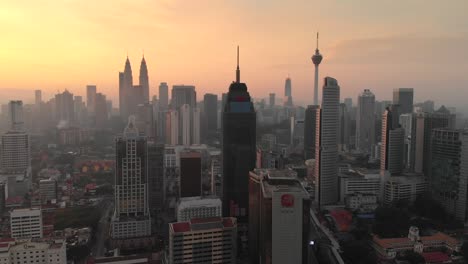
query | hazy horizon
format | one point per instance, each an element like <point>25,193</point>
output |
<point>52,46</point>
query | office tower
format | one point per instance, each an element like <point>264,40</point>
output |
<point>406,122</point>
<point>203,240</point>
<point>316,59</point>
<point>172,127</point>
<point>190,174</point>
<point>185,112</point>
<point>48,190</point>
<point>64,108</point>
<point>404,98</point>
<point>145,120</point>
<point>423,124</point>
<point>272,100</point>
<point>183,94</point>
<point>393,144</point>
<point>239,148</point>
<point>16,115</point>
<point>26,223</point>
<point>196,126</point>
<point>210,108</point>
<point>16,153</point>
<point>144,82</point>
<point>326,150</point>
<point>91,98</point>
<point>125,83</point>
<point>310,123</point>
<point>163,96</point>
<point>343,128</point>
<point>287,87</point>
<point>365,122</point>
<point>279,217</point>
<point>156,176</point>
<point>79,109</point>
<point>101,114</point>
<point>131,217</point>
<point>349,103</point>
<point>37,97</point>
<point>449,171</point>
<point>198,207</point>
<point>407,188</point>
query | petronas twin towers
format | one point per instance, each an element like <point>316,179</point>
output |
<point>130,95</point>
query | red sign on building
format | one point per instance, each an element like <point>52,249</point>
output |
<point>287,200</point>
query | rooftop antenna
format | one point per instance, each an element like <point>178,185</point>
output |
<point>237,70</point>
<point>317,39</point>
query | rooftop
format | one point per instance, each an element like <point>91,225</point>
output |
<point>198,224</point>
<point>395,242</point>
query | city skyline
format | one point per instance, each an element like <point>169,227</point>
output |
<point>90,49</point>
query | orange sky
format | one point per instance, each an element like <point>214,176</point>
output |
<point>57,44</point>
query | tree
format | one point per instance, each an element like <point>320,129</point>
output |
<point>359,252</point>
<point>413,257</point>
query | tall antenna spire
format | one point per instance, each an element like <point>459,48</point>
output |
<point>317,39</point>
<point>237,70</point>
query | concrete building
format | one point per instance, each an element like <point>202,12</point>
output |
<point>163,96</point>
<point>404,98</point>
<point>16,116</point>
<point>26,223</point>
<point>131,217</point>
<point>403,187</point>
<point>448,177</point>
<point>310,123</point>
<point>203,240</point>
<point>91,98</point>
<point>198,207</point>
<point>51,251</point>
<point>183,94</point>
<point>15,151</point>
<point>190,174</point>
<point>48,190</point>
<point>360,181</point>
<point>210,110</point>
<point>156,176</point>
<point>172,127</point>
<point>196,126</point>
<point>362,203</point>
<point>365,122</point>
<point>64,108</point>
<point>326,148</point>
<point>279,219</point>
<point>272,100</point>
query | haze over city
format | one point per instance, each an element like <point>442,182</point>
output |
<point>381,45</point>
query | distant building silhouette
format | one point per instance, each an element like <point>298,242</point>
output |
<point>393,143</point>
<point>404,98</point>
<point>365,122</point>
<point>130,95</point>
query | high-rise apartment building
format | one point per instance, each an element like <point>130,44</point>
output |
<point>26,223</point>
<point>404,98</point>
<point>16,115</point>
<point>131,217</point>
<point>196,126</point>
<point>163,96</point>
<point>239,148</point>
<point>326,150</point>
<point>15,151</point>
<point>393,144</point>
<point>91,98</point>
<point>190,174</point>
<point>365,122</point>
<point>448,177</point>
<point>203,240</point>
<point>37,251</point>
<point>279,216</point>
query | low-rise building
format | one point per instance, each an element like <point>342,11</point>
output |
<point>359,180</point>
<point>203,240</point>
<point>361,202</point>
<point>406,187</point>
<point>48,190</point>
<point>26,223</point>
<point>37,251</point>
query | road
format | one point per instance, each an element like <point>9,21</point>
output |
<point>102,231</point>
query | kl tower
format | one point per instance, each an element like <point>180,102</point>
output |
<point>316,59</point>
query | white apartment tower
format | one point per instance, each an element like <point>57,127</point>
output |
<point>326,144</point>
<point>365,122</point>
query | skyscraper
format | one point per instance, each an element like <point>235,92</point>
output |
<point>101,116</point>
<point>449,170</point>
<point>404,98</point>
<point>239,148</point>
<point>172,127</point>
<point>131,217</point>
<point>65,108</point>
<point>163,96</point>
<point>91,98</point>
<point>38,97</point>
<point>210,109</point>
<point>185,113</point>
<point>183,94</point>
<point>365,122</point>
<point>15,115</point>
<point>15,151</point>
<point>393,144</point>
<point>316,59</point>
<point>272,100</point>
<point>144,81</point>
<point>196,126</point>
<point>190,174</point>
<point>125,83</point>
<point>310,123</point>
<point>326,150</point>
<point>156,176</point>
<point>288,101</point>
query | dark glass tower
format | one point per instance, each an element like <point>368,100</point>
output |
<point>239,121</point>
